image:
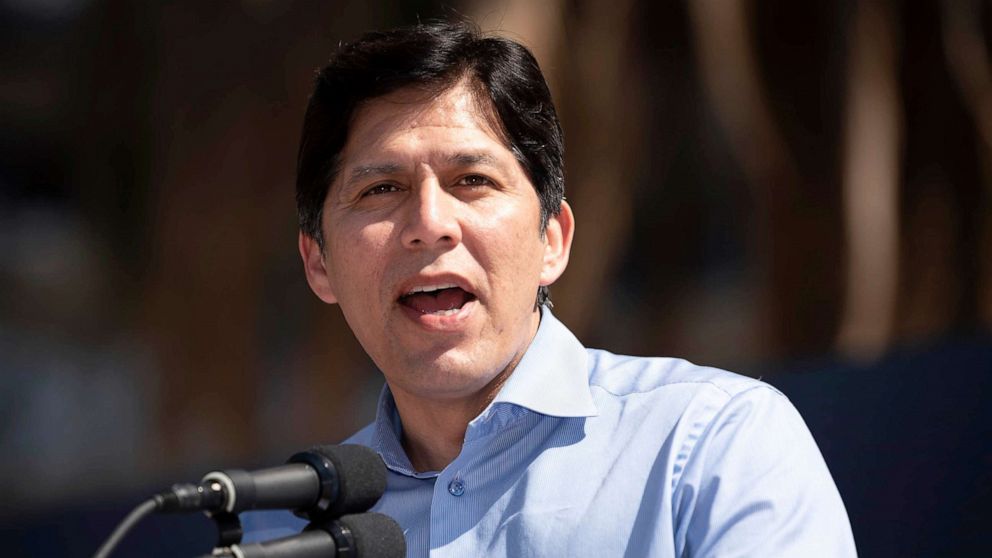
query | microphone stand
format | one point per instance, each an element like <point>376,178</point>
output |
<point>229,531</point>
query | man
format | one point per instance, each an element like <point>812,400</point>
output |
<point>430,193</point>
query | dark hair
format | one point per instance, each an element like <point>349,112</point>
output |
<point>437,56</point>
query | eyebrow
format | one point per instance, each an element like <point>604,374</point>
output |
<point>364,171</point>
<point>466,159</point>
<point>380,169</point>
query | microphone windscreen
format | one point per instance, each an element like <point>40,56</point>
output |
<point>361,475</point>
<point>375,535</point>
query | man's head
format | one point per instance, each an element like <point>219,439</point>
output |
<point>430,195</point>
<point>434,57</point>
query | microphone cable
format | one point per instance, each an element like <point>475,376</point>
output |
<point>137,514</point>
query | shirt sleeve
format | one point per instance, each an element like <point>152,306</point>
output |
<point>756,485</point>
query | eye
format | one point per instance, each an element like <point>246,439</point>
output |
<point>381,188</point>
<point>474,180</point>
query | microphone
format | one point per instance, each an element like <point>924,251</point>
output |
<point>365,535</point>
<point>326,481</point>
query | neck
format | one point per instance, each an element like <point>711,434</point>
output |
<point>434,429</point>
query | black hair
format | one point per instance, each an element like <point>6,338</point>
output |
<point>435,55</point>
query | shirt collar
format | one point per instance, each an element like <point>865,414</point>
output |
<point>386,436</point>
<point>552,379</point>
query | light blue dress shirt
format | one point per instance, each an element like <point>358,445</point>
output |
<point>587,453</point>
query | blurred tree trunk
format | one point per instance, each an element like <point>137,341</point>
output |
<point>945,190</point>
<point>871,183</point>
<point>792,231</point>
<point>965,48</point>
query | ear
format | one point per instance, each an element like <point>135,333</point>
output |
<point>557,244</point>
<point>316,270</point>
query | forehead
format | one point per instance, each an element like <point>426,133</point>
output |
<point>415,117</point>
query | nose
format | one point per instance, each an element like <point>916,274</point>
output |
<point>432,218</point>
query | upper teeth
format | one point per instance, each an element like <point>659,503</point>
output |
<point>431,288</point>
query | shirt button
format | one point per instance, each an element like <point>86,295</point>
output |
<point>456,487</point>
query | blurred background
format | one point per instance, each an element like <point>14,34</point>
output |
<point>796,191</point>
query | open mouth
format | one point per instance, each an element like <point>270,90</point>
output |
<point>438,300</point>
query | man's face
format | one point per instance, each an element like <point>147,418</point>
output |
<point>433,246</point>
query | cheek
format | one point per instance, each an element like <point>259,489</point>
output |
<point>359,258</point>
<point>511,249</point>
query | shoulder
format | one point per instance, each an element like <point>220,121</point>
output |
<point>623,375</point>
<point>746,477</point>
<point>702,400</point>
<point>695,404</point>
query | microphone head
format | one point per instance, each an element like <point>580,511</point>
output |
<point>375,535</point>
<point>361,478</point>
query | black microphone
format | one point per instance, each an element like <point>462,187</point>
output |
<point>364,535</point>
<point>326,481</point>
